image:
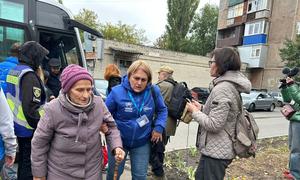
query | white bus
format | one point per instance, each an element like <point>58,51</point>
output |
<point>45,21</point>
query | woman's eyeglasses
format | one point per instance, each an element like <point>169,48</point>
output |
<point>210,62</point>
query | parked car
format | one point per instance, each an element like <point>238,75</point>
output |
<point>101,87</point>
<point>278,96</point>
<point>258,100</point>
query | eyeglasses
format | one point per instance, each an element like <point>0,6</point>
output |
<point>210,62</point>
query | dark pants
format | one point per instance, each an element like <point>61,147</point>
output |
<point>157,156</point>
<point>211,169</point>
<point>24,168</point>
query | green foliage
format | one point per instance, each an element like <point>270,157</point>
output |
<point>191,172</point>
<point>179,17</point>
<point>60,1</point>
<point>161,42</point>
<point>290,53</point>
<point>204,31</point>
<point>193,151</point>
<point>123,33</point>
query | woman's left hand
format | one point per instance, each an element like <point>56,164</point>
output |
<point>193,106</point>
<point>119,154</point>
<point>156,136</point>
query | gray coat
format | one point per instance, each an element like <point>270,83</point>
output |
<point>219,112</point>
<point>67,145</point>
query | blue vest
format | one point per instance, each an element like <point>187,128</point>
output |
<point>14,99</point>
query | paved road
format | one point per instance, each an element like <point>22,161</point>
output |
<point>271,124</point>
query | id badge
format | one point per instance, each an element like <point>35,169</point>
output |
<point>142,121</point>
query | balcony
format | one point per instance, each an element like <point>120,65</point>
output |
<point>255,39</point>
<point>254,55</point>
<point>230,36</point>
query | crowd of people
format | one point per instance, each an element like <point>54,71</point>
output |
<point>53,115</point>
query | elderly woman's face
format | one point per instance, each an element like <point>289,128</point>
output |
<point>80,92</point>
<point>138,81</point>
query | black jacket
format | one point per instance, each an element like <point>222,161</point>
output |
<point>113,81</point>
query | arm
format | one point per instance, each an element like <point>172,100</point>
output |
<point>166,91</point>
<point>217,117</point>
<point>7,127</point>
<point>161,111</point>
<point>40,145</point>
<point>285,95</point>
<point>31,101</point>
<point>294,92</point>
<point>110,103</point>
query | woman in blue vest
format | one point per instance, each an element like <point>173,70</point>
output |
<point>133,105</point>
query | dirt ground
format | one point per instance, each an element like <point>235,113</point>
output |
<point>269,163</point>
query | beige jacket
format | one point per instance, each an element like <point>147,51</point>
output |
<point>166,89</point>
<point>220,112</point>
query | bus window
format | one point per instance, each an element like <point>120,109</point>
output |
<point>9,36</point>
<point>13,11</point>
<point>61,46</point>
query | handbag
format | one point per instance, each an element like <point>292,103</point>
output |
<point>186,116</point>
<point>287,111</point>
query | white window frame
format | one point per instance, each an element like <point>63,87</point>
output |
<point>257,5</point>
<point>257,27</point>
<point>235,11</point>
<point>255,52</point>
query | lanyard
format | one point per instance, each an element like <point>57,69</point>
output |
<point>134,103</point>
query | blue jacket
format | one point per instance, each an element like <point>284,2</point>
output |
<point>5,66</point>
<point>125,113</point>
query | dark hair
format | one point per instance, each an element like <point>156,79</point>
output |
<point>227,59</point>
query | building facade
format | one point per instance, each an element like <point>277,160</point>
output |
<point>258,28</point>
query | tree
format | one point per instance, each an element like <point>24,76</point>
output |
<point>161,42</point>
<point>290,53</point>
<point>123,33</point>
<point>89,18</point>
<point>179,18</point>
<point>203,33</point>
<point>60,1</point>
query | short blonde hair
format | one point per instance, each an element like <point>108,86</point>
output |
<point>111,70</point>
<point>139,64</point>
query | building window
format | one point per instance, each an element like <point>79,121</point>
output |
<point>257,5</point>
<point>235,11</point>
<point>255,53</point>
<point>254,28</point>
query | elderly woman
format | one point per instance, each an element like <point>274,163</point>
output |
<point>133,105</point>
<point>219,114</point>
<point>67,144</point>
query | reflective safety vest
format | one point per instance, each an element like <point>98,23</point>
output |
<point>14,99</point>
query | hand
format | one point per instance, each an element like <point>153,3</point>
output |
<point>51,98</point>
<point>104,128</point>
<point>193,106</point>
<point>289,80</point>
<point>9,160</point>
<point>156,136</point>
<point>197,104</point>
<point>39,178</point>
<point>119,154</point>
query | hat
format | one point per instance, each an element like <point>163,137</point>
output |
<point>165,68</point>
<point>71,74</point>
<point>54,62</point>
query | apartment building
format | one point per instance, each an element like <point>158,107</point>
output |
<point>258,29</point>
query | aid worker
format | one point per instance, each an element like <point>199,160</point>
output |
<point>25,96</point>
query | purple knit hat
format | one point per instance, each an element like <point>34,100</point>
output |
<point>71,74</point>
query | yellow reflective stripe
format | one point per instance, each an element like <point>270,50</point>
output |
<point>12,79</point>
<point>20,115</point>
<point>27,126</point>
<point>11,104</point>
<point>42,112</point>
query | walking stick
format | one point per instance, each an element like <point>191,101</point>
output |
<point>116,170</point>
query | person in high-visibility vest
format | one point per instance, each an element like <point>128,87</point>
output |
<point>25,96</point>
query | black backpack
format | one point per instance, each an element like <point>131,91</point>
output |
<point>179,97</point>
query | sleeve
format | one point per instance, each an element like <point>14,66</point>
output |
<point>293,92</point>
<point>285,95</point>
<point>40,145</point>
<point>219,110</point>
<point>111,103</point>
<point>113,136</point>
<point>31,98</point>
<point>161,111</point>
<point>7,127</point>
<point>166,91</point>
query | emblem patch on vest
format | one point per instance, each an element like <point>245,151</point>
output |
<point>36,94</point>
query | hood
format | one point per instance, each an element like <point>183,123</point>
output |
<point>12,59</point>
<point>125,83</point>
<point>240,81</point>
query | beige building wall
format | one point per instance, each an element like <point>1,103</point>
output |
<point>283,20</point>
<point>189,68</point>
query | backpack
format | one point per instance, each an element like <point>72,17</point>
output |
<point>245,134</point>
<point>178,98</point>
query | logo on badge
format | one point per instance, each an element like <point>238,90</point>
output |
<point>36,92</point>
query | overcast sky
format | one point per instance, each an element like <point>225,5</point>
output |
<point>150,15</point>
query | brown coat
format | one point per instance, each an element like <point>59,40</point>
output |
<point>166,89</point>
<point>67,145</point>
